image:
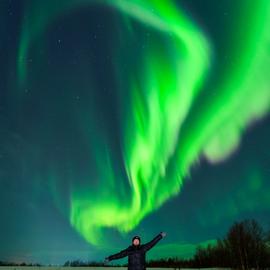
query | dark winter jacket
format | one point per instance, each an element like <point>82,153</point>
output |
<point>136,254</point>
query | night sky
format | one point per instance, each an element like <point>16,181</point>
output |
<point>123,117</point>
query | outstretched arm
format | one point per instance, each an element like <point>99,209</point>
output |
<point>123,253</point>
<point>154,241</point>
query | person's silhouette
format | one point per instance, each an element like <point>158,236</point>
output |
<point>136,252</point>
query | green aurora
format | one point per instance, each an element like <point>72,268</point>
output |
<point>163,130</point>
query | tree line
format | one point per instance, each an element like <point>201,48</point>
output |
<point>7,263</point>
<point>245,246</point>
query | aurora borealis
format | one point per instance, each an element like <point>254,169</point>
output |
<point>123,117</point>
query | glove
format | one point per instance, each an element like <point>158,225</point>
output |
<point>163,234</point>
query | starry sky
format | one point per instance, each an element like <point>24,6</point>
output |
<point>123,117</point>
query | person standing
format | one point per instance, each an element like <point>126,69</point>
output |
<point>136,252</point>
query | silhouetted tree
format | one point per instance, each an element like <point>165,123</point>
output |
<point>67,263</point>
<point>246,245</point>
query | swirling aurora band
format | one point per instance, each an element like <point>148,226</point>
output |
<point>164,133</point>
